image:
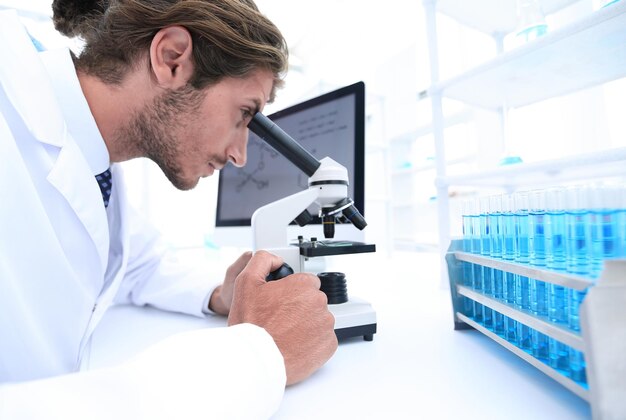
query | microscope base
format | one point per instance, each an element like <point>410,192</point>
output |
<point>354,318</point>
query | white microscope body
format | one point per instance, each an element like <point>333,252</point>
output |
<point>269,223</point>
<point>328,189</point>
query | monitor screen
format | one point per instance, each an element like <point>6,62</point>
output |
<point>330,125</point>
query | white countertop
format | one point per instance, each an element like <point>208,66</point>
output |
<point>416,367</point>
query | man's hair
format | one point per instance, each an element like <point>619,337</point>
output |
<point>231,38</point>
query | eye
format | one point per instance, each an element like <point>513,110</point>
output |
<point>246,113</point>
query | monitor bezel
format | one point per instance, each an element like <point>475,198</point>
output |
<point>358,178</point>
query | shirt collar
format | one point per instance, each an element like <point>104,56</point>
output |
<point>80,122</point>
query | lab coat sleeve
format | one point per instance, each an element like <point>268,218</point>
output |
<point>221,373</point>
<point>154,275</point>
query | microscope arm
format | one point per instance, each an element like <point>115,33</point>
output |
<point>269,222</point>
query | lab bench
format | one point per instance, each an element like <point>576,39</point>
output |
<point>417,366</point>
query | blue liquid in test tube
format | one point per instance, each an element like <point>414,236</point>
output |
<point>556,260</point>
<point>476,269</point>
<point>578,247</point>
<point>485,250</point>
<point>496,239</point>
<point>605,237</point>
<point>621,222</point>
<point>537,257</point>
<point>522,286</point>
<point>508,254</point>
<point>536,230</point>
<point>468,304</point>
<point>578,258</point>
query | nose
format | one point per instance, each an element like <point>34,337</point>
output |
<point>237,154</point>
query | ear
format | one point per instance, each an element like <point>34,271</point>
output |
<point>171,57</point>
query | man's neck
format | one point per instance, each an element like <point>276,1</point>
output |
<point>112,107</point>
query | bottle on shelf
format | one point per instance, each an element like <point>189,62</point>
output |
<point>531,22</point>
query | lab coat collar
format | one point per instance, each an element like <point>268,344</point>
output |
<point>27,75</point>
<point>78,117</point>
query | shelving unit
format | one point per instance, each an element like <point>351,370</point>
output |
<point>586,53</point>
<point>602,338</point>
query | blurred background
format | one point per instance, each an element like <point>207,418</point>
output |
<point>387,45</point>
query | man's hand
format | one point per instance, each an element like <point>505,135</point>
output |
<point>222,296</point>
<point>292,310</point>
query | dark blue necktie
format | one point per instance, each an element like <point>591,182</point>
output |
<point>105,182</point>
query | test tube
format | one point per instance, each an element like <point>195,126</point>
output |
<point>578,232</point>
<point>596,210</point>
<point>605,203</point>
<point>508,254</point>
<point>537,257</point>
<point>474,213</point>
<point>557,302</point>
<point>522,289</point>
<point>621,223</point>
<point>536,233</point>
<point>555,229</point>
<point>485,250</point>
<point>578,249</point>
<point>496,236</point>
<point>466,267</point>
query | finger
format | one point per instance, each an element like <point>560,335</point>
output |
<point>259,266</point>
<point>240,263</point>
<point>308,279</point>
<point>304,280</point>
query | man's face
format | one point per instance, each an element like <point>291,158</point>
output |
<point>191,133</point>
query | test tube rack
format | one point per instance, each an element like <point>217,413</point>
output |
<point>602,338</point>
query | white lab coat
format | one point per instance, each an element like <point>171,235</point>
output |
<point>64,260</point>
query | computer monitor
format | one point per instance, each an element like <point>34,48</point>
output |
<point>330,125</point>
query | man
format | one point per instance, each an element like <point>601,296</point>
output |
<point>175,81</point>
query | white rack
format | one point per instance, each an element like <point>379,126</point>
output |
<point>602,338</point>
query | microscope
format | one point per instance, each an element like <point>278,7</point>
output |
<point>328,189</point>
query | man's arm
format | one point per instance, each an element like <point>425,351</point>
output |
<point>221,373</point>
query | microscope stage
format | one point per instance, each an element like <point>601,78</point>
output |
<point>354,318</point>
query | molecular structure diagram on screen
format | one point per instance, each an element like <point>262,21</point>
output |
<point>252,176</point>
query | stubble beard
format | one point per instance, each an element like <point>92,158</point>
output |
<point>153,131</point>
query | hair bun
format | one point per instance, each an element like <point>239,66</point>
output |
<point>69,16</point>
